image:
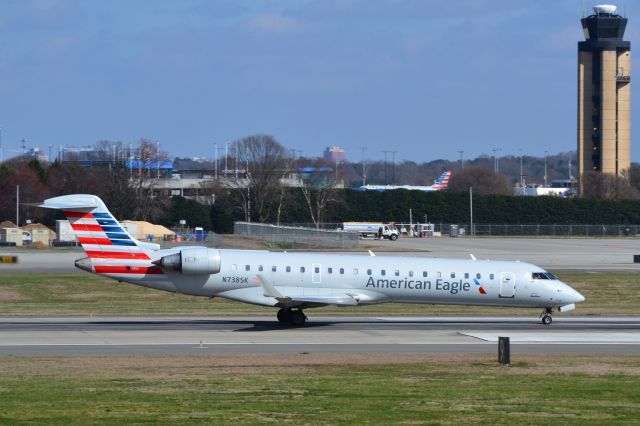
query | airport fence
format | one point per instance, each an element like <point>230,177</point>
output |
<point>585,231</point>
<point>532,230</point>
<point>297,235</point>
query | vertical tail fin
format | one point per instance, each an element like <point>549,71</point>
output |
<point>443,181</point>
<point>99,233</point>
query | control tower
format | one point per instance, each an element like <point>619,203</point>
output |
<point>604,94</point>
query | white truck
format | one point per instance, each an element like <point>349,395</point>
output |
<point>372,229</point>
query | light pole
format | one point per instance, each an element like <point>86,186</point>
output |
<point>1,155</point>
<point>18,206</point>
<point>495,159</point>
<point>521,176</point>
<point>471,210</point>
<point>393,174</point>
<point>545,169</point>
<point>226,158</point>
<point>364,170</point>
<point>215,156</point>
<point>461,161</point>
<point>385,167</point>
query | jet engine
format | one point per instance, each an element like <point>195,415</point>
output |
<point>192,261</point>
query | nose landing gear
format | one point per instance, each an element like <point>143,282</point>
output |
<point>546,316</point>
<point>297,317</point>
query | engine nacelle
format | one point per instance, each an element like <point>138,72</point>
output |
<point>195,261</point>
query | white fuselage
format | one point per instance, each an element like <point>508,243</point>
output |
<point>368,279</point>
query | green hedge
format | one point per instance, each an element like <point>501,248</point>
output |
<point>448,207</point>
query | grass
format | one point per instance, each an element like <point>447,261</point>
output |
<point>319,389</point>
<point>85,294</point>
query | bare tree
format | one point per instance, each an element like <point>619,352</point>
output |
<point>483,181</point>
<point>129,178</point>
<point>607,186</point>
<point>262,159</point>
<point>318,185</point>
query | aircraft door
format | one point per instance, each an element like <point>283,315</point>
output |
<point>316,273</point>
<point>507,284</point>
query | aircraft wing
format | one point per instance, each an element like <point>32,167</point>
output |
<point>269,290</point>
<point>339,300</point>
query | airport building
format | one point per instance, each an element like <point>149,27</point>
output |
<point>604,94</point>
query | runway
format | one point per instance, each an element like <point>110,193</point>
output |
<point>219,335</point>
<point>597,255</point>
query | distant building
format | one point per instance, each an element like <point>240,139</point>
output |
<point>36,153</point>
<point>604,94</point>
<point>334,154</point>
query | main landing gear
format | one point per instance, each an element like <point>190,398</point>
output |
<point>546,316</point>
<point>296,317</point>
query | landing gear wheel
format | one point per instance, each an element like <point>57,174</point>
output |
<point>546,320</point>
<point>298,318</point>
<point>284,315</point>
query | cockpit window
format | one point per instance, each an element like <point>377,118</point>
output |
<point>539,276</point>
<point>551,276</point>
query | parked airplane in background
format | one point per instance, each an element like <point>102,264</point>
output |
<point>296,281</point>
<point>438,185</point>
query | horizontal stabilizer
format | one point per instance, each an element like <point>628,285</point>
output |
<point>73,202</point>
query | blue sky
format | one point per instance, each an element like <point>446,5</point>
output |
<point>425,78</point>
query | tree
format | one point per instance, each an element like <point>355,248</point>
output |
<point>318,185</point>
<point>607,186</point>
<point>144,176</point>
<point>33,189</point>
<point>263,161</point>
<point>194,213</point>
<point>483,181</point>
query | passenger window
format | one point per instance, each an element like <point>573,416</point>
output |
<point>453,275</point>
<point>302,269</point>
<point>247,267</point>
<point>273,268</point>
<point>466,275</point>
<point>383,272</point>
<point>397,273</point>
<point>491,276</point>
<point>342,271</point>
<point>288,268</point>
<point>260,268</point>
<point>411,273</point>
<point>478,276</point>
<point>234,267</point>
<point>368,271</point>
<point>439,274</point>
<point>424,273</point>
<point>330,270</point>
<point>355,271</point>
<point>317,269</point>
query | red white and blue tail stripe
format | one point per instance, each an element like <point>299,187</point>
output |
<point>443,181</point>
<point>109,246</point>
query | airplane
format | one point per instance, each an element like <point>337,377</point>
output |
<point>438,185</point>
<point>294,282</point>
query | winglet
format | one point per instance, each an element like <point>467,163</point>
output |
<point>267,289</point>
<point>371,253</point>
<point>472,256</point>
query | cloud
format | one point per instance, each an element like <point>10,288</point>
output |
<point>273,23</point>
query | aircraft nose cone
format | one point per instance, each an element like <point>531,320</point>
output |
<point>577,297</point>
